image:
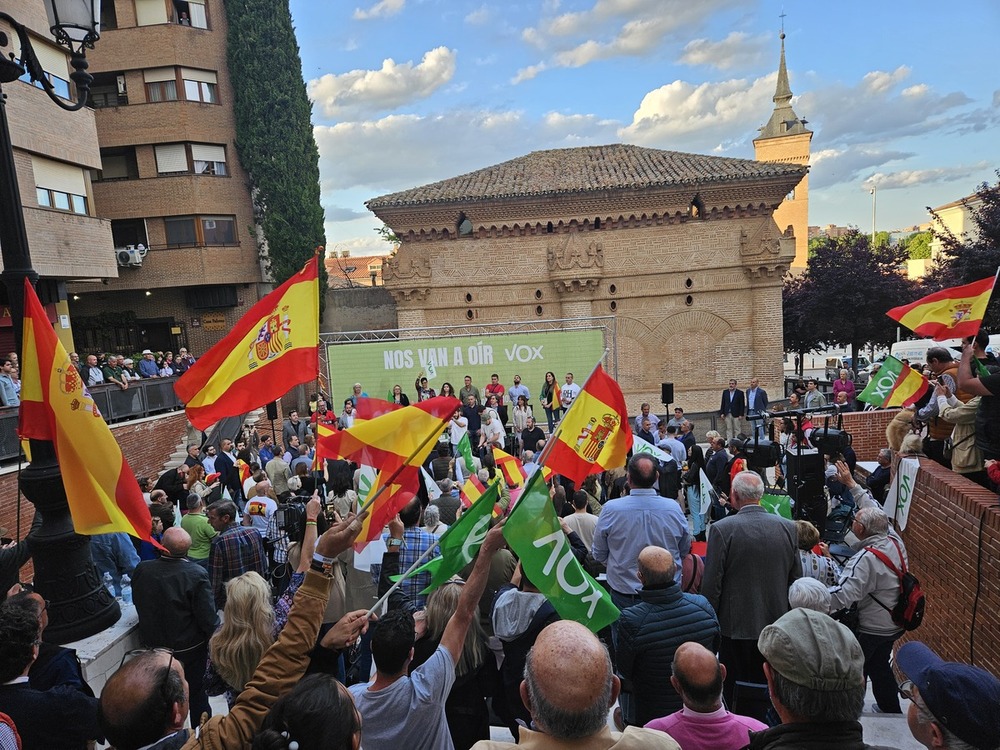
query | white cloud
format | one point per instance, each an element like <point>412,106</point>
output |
<point>339,213</point>
<point>737,50</point>
<point>381,9</point>
<point>614,28</point>
<point>878,109</point>
<point>359,92</point>
<point>909,178</point>
<point>835,165</point>
<point>526,74</point>
<point>358,247</point>
<point>413,150</point>
<point>479,16</point>
<point>697,117</point>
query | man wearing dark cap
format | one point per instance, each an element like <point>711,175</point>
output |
<point>950,702</point>
<point>814,668</point>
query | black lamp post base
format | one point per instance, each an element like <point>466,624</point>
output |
<point>79,604</point>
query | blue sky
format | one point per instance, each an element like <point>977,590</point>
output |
<point>900,94</point>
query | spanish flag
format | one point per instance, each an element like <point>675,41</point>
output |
<point>595,434</point>
<point>955,312</point>
<point>513,470</point>
<point>409,433</point>
<point>56,405</point>
<point>395,486</point>
<point>271,349</point>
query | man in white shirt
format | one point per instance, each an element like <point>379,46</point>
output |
<point>569,392</point>
<point>654,420</point>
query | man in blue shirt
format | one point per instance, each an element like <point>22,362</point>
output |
<point>8,393</point>
<point>631,523</point>
<point>147,365</point>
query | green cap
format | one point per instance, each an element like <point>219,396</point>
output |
<point>813,650</point>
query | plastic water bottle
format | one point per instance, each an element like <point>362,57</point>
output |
<point>126,589</point>
<point>109,584</point>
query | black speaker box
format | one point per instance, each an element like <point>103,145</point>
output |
<point>272,410</point>
<point>667,393</point>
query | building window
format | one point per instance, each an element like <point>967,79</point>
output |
<point>125,232</point>
<point>218,230</point>
<point>150,12</point>
<point>190,13</point>
<point>61,201</point>
<point>208,159</point>
<point>56,69</point>
<point>200,230</point>
<point>201,91</point>
<point>108,90</point>
<point>60,186</point>
<point>109,17</point>
<point>188,158</point>
<point>117,164</point>
<point>161,91</point>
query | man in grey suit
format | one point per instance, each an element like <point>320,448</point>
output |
<point>756,403</point>
<point>752,559</point>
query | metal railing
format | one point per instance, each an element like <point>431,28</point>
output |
<point>142,398</point>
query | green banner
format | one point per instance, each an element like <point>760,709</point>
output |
<point>882,382</point>
<point>379,365</point>
<point>535,535</point>
<point>778,504</point>
<point>460,543</point>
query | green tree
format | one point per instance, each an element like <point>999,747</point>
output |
<point>274,134</point>
<point>799,333</point>
<point>976,253</point>
<point>918,245</point>
<point>845,292</point>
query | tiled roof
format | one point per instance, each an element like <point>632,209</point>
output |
<point>587,169</point>
<point>353,269</point>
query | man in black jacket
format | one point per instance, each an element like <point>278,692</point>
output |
<point>176,608</point>
<point>732,408</point>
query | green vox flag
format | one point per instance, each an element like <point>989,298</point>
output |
<point>465,450</point>
<point>778,504</point>
<point>534,533</point>
<point>460,543</point>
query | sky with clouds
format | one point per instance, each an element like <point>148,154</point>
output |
<point>405,92</point>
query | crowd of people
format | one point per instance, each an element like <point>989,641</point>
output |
<point>739,628</point>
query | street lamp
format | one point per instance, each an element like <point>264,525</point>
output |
<point>79,605</point>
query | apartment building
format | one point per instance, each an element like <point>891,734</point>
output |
<point>54,153</point>
<point>170,182</point>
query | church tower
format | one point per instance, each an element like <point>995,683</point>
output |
<point>785,138</point>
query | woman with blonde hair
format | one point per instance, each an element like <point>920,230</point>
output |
<point>247,631</point>
<point>475,673</point>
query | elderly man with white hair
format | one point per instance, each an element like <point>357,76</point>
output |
<point>867,580</point>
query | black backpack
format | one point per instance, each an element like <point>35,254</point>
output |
<point>909,610</point>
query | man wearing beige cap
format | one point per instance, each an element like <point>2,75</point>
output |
<point>815,673</point>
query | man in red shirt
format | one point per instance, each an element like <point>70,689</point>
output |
<point>495,388</point>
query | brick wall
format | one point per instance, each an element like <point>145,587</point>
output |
<point>943,542</point>
<point>868,430</point>
<point>146,444</point>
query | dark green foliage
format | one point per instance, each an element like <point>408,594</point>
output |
<point>918,245</point>
<point>976,254</point>
<point>274,134</point>
<point>842,297</point>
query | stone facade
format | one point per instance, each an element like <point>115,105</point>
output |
<point>692,272</point>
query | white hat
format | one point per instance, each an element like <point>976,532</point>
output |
<point>145,352</point>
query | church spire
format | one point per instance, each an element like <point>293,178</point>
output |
<point>783,120</point>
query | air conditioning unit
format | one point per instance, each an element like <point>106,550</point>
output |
<point>130,256</point>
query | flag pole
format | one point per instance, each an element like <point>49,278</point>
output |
<point>416,564</point>
<point>550,443</point>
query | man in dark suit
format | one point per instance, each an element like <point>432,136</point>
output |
<point>752,559</point>
<point>756,403</point>
<point>60,717</point>
<point>732,409</point>
<point>173,598</point>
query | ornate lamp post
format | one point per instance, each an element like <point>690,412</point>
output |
<point>79,605</point>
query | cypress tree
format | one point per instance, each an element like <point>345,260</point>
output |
<point>274,136</point>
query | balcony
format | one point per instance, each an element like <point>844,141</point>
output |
<point>74,246</point>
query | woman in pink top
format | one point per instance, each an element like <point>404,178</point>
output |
<point>842,384</point>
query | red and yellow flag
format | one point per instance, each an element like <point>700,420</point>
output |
<point>513,470</point>
<point>397,494</point>
<point>271,349</point>
<point>595,434</point>
<point>472,490</point>
<point>955,312</point>
<point>55,405</point>
<point>409,433</point>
